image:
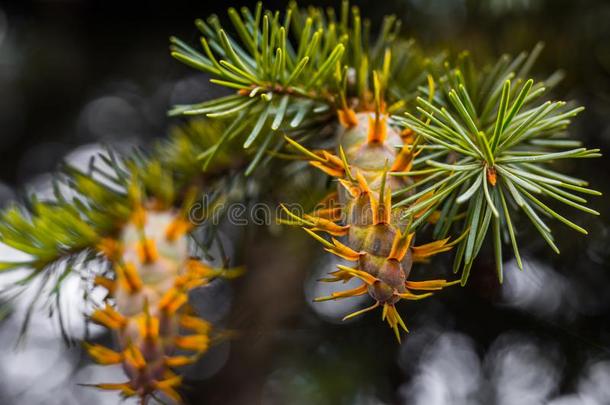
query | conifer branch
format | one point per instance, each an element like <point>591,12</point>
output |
<point>88,206</point>
<point>502,140</point>
<point>296,69</point>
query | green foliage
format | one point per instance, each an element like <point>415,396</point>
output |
<point>292,70</point>
<point>88,206</point>
<point>498,140</point>
<point>84,209</point>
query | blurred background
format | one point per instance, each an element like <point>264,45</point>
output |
<point>75,75</point>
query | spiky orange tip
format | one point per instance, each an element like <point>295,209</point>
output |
<point>378,129</point>
<point>492,177</point>
<point>347,117</point>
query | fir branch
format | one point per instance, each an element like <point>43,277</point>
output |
<point>505,139</point>
<point>88,206</point>
<point>50,231</point>
<point>297,68</point>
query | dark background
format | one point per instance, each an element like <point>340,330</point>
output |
<point>76,73</point>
